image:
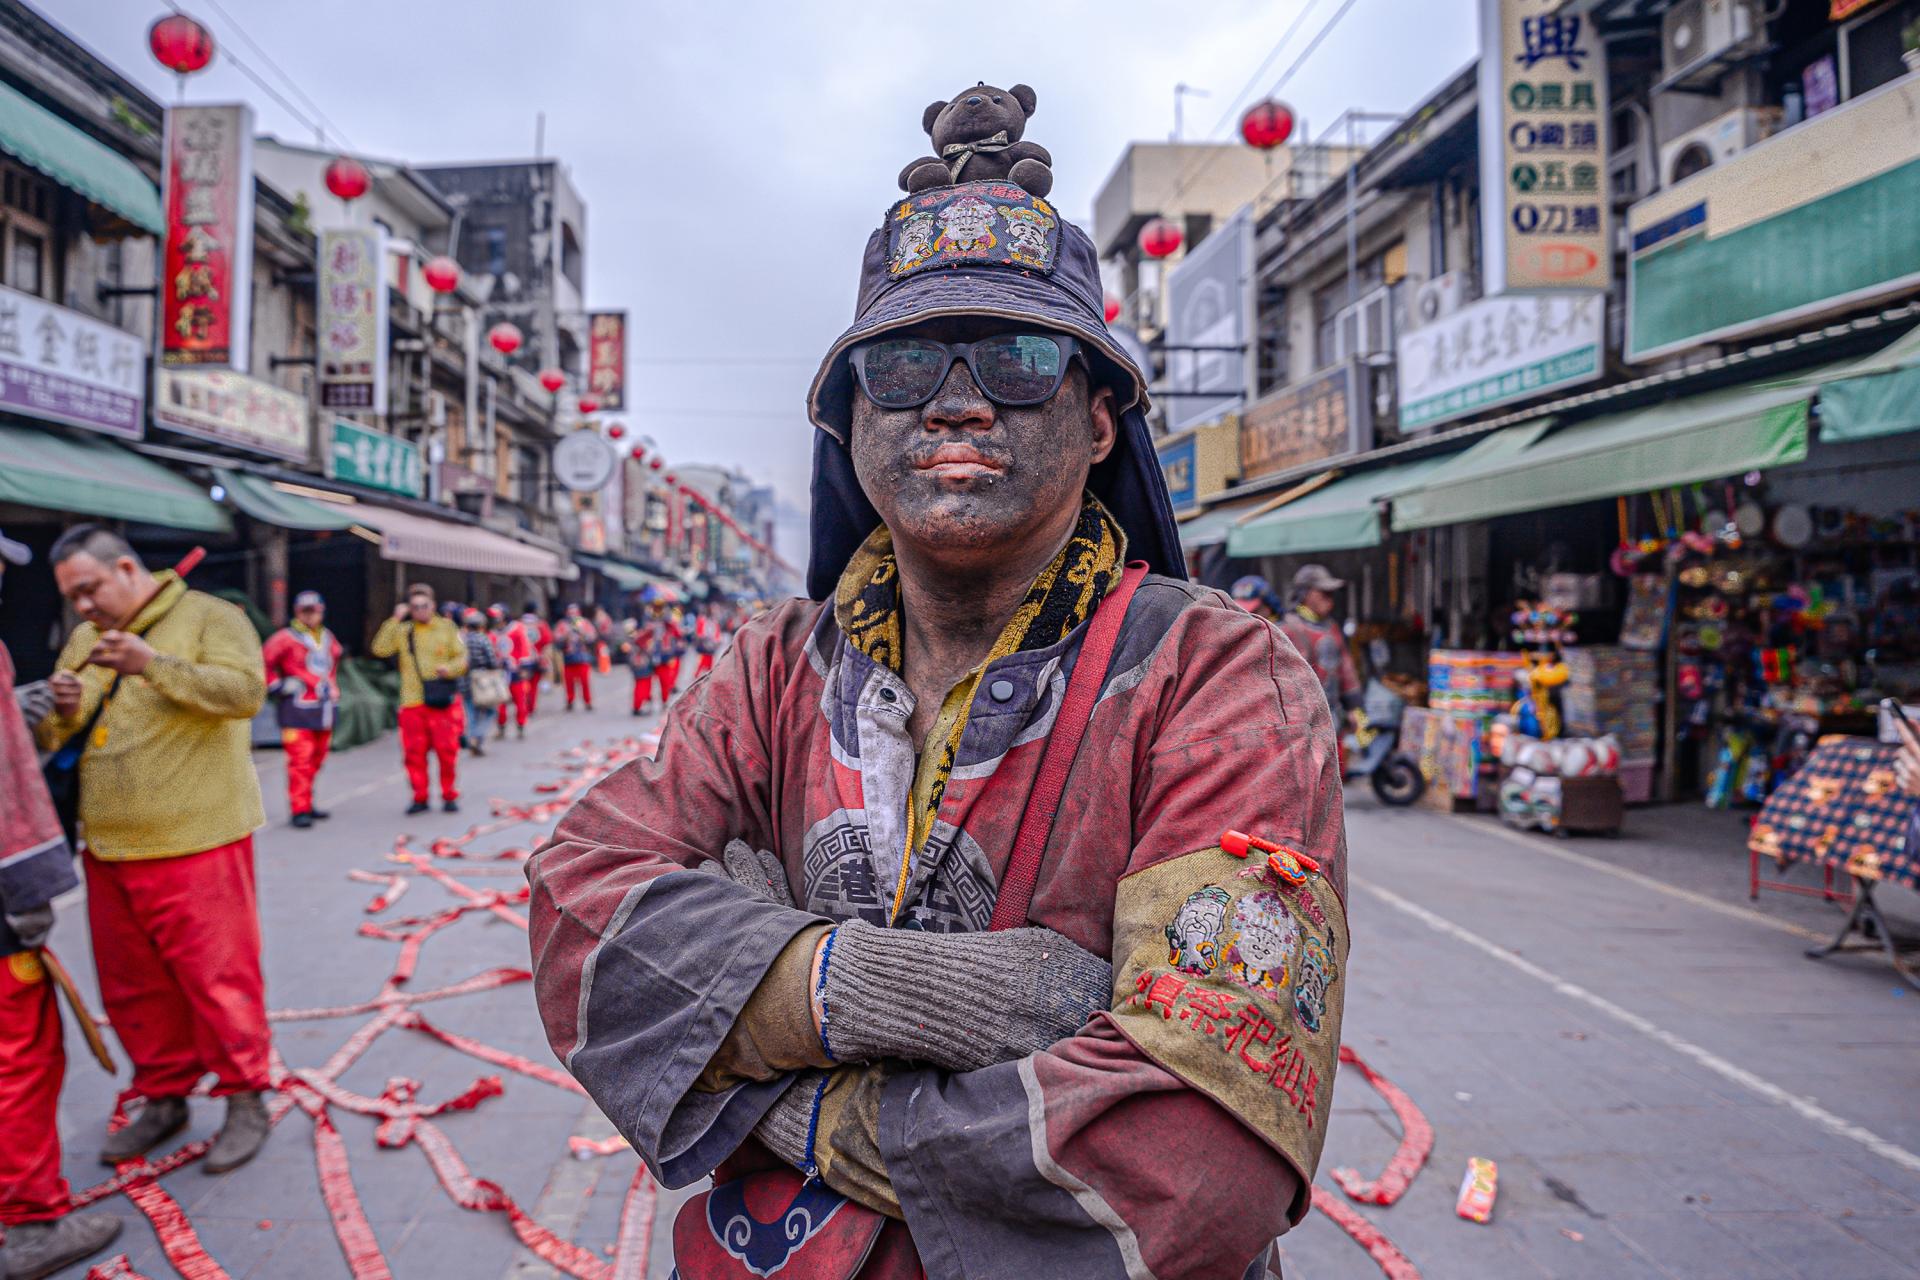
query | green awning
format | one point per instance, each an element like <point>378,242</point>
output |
<point>1342,516</point>
<point>38,138</point>
<point>259,499</point>
<point>97,477</point>
<point>1681,442</point>
<point>1875,396</point>
<point>1210,527</point>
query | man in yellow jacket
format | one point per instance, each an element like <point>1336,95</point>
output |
<point>432,660</point>
<point>162,683</point>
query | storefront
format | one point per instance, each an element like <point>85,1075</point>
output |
<point>1726,576</point>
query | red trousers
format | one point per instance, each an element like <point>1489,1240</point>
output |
<point>32,1061</point>
<point>703,666</point>
<point>424,728</point>
<point>306,752</point>
<point>522,690</point>
<point>579,677</point>
<point>669,678</point>
<point>642,691</point>
<point>176,942</point>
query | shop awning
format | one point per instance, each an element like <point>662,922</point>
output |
<point>41,140</point>
<point>95,476</point>
<point>625,576</point>
<point>1210,527</point>
<point>1875,396</point>
<point>1681,442</point>
<point>1341,516</point>
<point>259,499</point>
<point>446,544</point>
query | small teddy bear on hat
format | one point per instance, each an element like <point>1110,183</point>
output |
<point>977,136</point>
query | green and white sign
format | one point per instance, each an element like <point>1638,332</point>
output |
<point>373,459</point>
<point>1498,350</point>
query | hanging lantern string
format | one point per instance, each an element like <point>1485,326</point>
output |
<point>322,126</point>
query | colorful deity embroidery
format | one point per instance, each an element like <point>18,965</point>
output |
<point>1028,235</point>
<point>913,242</point>
<point>1311,983</point>
<point>966,229</point>
<point>1192,937</point>
<point>1261,941</point>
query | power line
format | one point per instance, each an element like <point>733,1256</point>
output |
<point>280,71</point>
<point>261,83</point>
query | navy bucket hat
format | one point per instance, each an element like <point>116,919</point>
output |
<point>983,249</point>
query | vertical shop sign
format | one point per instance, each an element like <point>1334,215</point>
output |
<point>353,321</point>
<point>1543,148</point>
<point>206,290</point>
<point>607,357</point>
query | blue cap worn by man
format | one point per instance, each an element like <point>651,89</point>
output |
<point>779,947</point>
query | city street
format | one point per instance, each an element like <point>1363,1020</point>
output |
<point>1666,1086</point>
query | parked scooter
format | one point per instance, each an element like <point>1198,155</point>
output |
<point>1373,747</point>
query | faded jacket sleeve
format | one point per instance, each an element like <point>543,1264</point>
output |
<point>1106,1154</point>
<point>641,963</point>
<point>225,679</point>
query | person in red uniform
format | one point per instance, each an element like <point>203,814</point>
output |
<point>39,1231</point>
<point>516,646</point>
<point>540,636</point>
<point>576,639</point>
<point>706,639</point>
<point>671,643</point>
<point>303,673</point>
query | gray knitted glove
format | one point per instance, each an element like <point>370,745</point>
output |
<point>755,870</point>
<point>957,1000</point>
<point>35,701</point>
<point>783,1130</point>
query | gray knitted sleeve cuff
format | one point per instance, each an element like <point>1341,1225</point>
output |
<point>783,1130</point>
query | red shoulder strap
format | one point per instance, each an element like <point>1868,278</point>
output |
<point>1063,744</point>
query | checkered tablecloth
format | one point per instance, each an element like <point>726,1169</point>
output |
<point>1843,809</point>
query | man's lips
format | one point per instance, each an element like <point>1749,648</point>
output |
<point>957,460</point>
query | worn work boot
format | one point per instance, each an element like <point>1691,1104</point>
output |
<point>36,1249</point>
<point>241,1136</point>
<point>158,1120</point>
<point>303,820</point>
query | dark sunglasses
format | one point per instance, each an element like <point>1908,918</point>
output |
<point>1012,369</point>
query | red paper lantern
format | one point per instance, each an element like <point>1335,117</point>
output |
<point>504,338</point>
<point>1112,308</point>
<point>615,431</point>
<point>552,380</point>
<point>442,274</point>
<point>180,44</point>
<point>655,464</point>
<point>347,178</point>
<point>671,482</point>
<point>639,452</point>
<point>1160,238</point>
<point>587,404</point>
<point>1267,124</point>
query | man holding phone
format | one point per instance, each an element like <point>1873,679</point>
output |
<point>432,659</point>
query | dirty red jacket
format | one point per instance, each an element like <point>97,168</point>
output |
<point>1214,1067</point>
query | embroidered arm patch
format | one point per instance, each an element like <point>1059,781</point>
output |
<point>1232,978</point>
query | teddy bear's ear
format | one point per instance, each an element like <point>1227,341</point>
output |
<point>931,114</point>
<point>1024,96</point>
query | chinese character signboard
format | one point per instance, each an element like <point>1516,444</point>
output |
<point>607,358</point>
<point>206,289</point>
<point>1543,148</point>
<point>1495,350</point>
<point>583,462</point>
<point>217,404</point>
<point>1177,458</point>
<point>1327,416</point>
<point>1209,302</point>
<point>373,459</point>
<point>352,321</point>
<point>61,366</point>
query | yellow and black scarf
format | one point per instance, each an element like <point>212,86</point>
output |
<point>867,606</point>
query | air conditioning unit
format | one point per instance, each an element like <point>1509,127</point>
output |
<point>1439,298</point>
<point>1697,34</point>
<point>1366,327</point>
<point>1715,142</point>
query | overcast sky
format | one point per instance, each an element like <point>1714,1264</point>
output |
<point>734,156</point>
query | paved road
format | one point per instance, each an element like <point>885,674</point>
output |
<point>1656,1070</point>
<point>1657,1073</point>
